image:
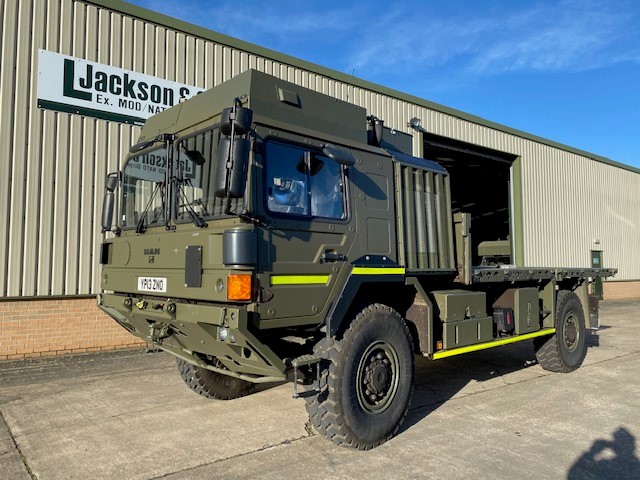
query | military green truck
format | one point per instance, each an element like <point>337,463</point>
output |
<point>266,231</point>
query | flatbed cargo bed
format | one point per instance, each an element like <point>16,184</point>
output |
<point>522,274</point>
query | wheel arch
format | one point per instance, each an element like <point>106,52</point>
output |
<point>362,290</point>
<point>404,294</point>
<point>580,286</point>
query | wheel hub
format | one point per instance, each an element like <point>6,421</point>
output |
<point>377,377</point>
<point>570,332</point>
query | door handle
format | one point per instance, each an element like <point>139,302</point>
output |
<point>331,256</point>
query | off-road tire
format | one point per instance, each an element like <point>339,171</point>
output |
<point>565,350</point>
<point>212,384</point>
<point>375,352</point>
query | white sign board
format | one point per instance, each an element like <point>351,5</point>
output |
<point>75,85</point>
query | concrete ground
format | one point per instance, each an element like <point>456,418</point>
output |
<point>492,414</point>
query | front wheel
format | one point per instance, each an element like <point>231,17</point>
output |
<point>366,389</point>
<point>211,384</point>
<point>565,350</point>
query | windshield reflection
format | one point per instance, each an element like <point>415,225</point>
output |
<point>143,189</point>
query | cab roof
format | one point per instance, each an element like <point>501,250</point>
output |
<point>274,103</point>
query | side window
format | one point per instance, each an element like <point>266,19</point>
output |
<point>303,183</point>
<point>287,190</point>
<point>327,198</point>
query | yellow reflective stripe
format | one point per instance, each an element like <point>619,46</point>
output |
<point>299,279</point>
<point>494,343</point>
<point>377,271</point>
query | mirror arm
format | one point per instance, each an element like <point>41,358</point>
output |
<point>147,143</point>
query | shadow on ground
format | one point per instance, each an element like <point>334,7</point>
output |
<point>608,459</point>
<point>438,381</point>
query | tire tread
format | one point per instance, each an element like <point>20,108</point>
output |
<point>211,384</point>
<point>324,411</point>
<point>548,349</point>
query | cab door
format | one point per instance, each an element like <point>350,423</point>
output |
<point>304,252</point>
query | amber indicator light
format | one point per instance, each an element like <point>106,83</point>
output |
<point>238,286</point>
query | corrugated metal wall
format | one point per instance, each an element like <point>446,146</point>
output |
<point>52,165</point>
<point>578,201</point>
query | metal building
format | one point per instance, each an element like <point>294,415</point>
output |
<point>568,207</point>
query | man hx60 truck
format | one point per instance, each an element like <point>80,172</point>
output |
<point>265,229</point>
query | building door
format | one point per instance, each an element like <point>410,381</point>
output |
<point>596,262</point>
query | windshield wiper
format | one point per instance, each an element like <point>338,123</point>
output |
<point>249,217</point>
<point>195,218</point>
<point>140,228</point>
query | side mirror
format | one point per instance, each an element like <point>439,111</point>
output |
<point>238,121</point>
<point>110,184</point>
<point>231,170</point>
<point>233,153</point>
<point>375,131</point>
<point>195,156</point>
<point>339,156</point>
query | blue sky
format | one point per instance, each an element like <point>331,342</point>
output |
<point>567,70</point>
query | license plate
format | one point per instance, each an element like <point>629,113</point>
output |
<point>152,284</point>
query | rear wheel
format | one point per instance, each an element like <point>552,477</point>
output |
<point>366,388</point>
<point>565,350</point>
<point>213,384</point>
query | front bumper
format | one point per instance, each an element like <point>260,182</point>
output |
<point>192,332</point>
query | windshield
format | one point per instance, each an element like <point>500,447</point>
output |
<point>143,188</point>
<point>195,176</point>
<point>193,189</point>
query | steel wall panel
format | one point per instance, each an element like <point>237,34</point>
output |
<point>88,214</point>
<point>18,171</point>
<point>7,98</point>
<point>34,169</point>
<point>578,201</point>
<point>51,185</point>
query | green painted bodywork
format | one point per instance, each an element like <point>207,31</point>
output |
<point>398,231</point>
<point>464,317</point>
<point>517,227</point>
<point>289,247</point>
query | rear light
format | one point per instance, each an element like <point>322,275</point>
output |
<point>239,286</point>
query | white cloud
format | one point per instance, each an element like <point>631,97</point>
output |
<point>377,36</point>
<point>554,36</point>
<point>571,36</point>
<point>257,19</point>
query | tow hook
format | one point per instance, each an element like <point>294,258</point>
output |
<point>158,332</point>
